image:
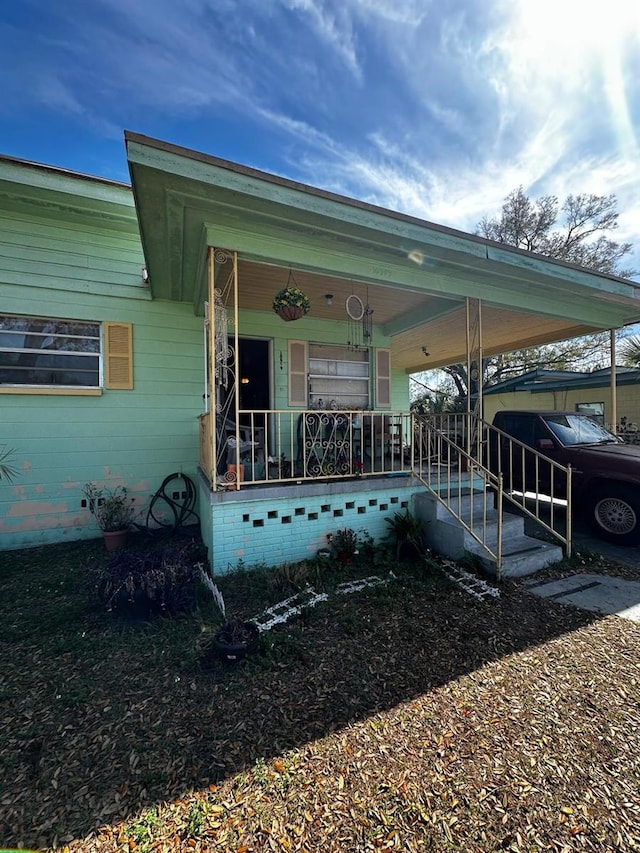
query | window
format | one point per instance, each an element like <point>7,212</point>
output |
<point>40,352</point>
<point>595,411</point>
<point>576,429</point>
<point>338,374</point>
<point>522,427</point>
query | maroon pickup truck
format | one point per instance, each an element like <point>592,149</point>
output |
<point>605,471</point>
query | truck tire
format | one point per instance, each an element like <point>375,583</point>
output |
<point>613,513</point>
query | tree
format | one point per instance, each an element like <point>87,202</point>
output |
<point>586,353</point>
<point>581,239</point>
<point>429,400</point>
<point>630,351</point>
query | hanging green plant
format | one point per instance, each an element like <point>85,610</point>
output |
<point>291,303</point>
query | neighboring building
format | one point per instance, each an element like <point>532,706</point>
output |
<point>566,390</point>
<point>138,339</point>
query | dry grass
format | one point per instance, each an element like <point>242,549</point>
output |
<point>406,718</point>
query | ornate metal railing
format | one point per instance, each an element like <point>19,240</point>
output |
<point>283,445</point>
<point>452,455</point>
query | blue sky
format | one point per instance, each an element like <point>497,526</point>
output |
<point>437,109</point>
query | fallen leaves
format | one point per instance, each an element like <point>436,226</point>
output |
<point>415,719</point>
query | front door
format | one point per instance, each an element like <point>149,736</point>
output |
<point>253,376</point>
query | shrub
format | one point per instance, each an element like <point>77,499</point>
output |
<point>344,543</point>
<point>162,580</point>
<point>7,470</point>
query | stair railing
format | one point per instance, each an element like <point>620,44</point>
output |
<point>537,485</point>
<point>448,471</point>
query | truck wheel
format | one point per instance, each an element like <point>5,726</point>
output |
<point>613,513</point>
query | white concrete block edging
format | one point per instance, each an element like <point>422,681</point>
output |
<point>308,597</point>
<point>284,610</point>
<point>475,586</point>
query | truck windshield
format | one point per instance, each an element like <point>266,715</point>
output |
<point>576,429</point>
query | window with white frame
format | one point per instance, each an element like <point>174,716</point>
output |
<point>338,375</point>
<point>44,352</point>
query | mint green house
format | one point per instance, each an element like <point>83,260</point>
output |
<point>138,338</point>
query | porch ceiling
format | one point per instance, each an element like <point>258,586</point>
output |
<point>416,274</point>
<point>433,321</point>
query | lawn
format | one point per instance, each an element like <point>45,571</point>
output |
<point>406,717</point>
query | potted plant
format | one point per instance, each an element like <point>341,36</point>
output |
<point>279,467</point>
<point>235,638</point>
<point>113,511</point>
<point>291,303</point>
<point>407,530</point>
<point>345,544</point>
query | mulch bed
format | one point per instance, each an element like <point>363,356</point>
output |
<point>410,717</point>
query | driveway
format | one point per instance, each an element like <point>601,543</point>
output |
<point>605,593</point>
<point>598,593</point>
<point>584,540</point>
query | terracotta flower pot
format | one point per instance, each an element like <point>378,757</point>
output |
<point>114,540</point>
<point>235,475</point>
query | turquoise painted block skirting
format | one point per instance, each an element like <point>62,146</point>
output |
<point>274,525</point>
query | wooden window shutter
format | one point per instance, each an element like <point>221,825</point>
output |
<point>118,356</point>
<point>383,378</point>
<point>298,373</point>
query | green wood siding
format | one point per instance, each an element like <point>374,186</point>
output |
<point>35,252</point>
<point>399,391</point>
<point>77,270</point>
<point>134,437</point>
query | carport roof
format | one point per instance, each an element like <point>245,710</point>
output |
<point>417,274</point>
<point>540,381</point>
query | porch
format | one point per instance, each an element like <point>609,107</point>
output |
<point>285,446</point>
<point>386,295</point>
<point>327,470</point>
<point>273,489</point>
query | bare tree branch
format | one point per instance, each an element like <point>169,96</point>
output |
<point>581,238</point>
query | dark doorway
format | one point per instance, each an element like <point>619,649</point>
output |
<point>253,374</point>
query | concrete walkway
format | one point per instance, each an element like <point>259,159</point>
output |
<point>585,540</point>
<point>598,593</point>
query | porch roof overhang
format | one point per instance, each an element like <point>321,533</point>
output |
<point>34,189</point>
<point>418,274</point>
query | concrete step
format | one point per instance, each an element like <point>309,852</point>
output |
<point>444,483</point>
<point>477,503</point>
<point>521,554</point>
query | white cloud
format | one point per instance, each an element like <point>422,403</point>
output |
<point>407,13</point>
<point>53,93</point>
<point>302,131</point>
<point>438,110</point>
<point>333,26</point>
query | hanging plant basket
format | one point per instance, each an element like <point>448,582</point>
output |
<point>290,312</point>
<point>291,303</point>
